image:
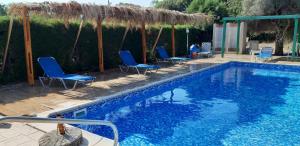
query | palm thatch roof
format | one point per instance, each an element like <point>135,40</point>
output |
<point>136,15</point>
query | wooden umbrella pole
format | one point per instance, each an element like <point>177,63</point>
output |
<point>11,22</point>
<point>77,37</point>
<point>144,43</point>
<point>173,41</point>
<point>156,41</point>
<point>124,36</point>
<point>100,44</point>
<point>28,49</point>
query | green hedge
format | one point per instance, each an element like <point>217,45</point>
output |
<point>51,38</point>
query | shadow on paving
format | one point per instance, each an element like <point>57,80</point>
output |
<point>19,99</point>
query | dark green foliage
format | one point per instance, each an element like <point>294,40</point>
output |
<point>2,10</point>
<point>218,8</point>
<point>178,5</point>
<point>263,37</point>
<point>234,7</point>
<point>51,38</point>
<point>271,7</point>
<point>214,7</point>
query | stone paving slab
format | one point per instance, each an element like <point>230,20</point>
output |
<point>18,134</point>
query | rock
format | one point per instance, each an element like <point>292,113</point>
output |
<point>73,137</point>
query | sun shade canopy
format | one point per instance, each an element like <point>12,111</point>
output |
<point>74,10</point>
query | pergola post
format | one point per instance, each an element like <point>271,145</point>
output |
<point>238,37</point>
<point>173,41</point>
<point>100,44</point>
<point>296,25</point>
<point>144,45</point>
<point>223,38</point>
<point>28,49</point>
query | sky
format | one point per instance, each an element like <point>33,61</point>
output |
<point>145,3</point>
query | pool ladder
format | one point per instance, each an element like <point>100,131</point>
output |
<point>24,119</point>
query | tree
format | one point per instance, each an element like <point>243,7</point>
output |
<point>274,7</point>
<point>218,8</point>
<point>234,7</point>
<point>214,7</point>
<point>2,10</point>
<point>178,5</point>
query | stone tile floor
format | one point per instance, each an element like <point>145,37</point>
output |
<point>17,134</point>
<point>20,134</point>
<point>19,99</point>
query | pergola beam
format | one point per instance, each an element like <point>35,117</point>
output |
<point>28,49</point>
<point>223,38</point>
<point>249,18</point>
<point>245,18</point>
<point>296,25</point>
<point>238,36</point>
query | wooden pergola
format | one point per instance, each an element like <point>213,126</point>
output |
<point>137,16</point>
<point>238,19</point>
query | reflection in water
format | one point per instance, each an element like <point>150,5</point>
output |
<point>203,110</point>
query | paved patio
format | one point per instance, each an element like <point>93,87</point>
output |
<point>21,99</point>
<point>20,134</point>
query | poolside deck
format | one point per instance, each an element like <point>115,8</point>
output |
<point>20,99</point>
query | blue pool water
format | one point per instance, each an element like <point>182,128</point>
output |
<point>231,104</point>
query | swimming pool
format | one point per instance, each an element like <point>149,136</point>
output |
<point>230,104</point>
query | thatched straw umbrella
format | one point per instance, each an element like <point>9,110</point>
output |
<point>97,13</point>
<point>74,10</point>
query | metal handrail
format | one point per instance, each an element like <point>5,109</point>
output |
<point>23,119</point>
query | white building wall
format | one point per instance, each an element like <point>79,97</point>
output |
<point>231,33</point>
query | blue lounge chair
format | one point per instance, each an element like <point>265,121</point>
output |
<point>129,62</point>
<point>53,71</point>
<point>265,54</point>
<point>206,49</point>
<point>194,49</point>
<point>164,56</point>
